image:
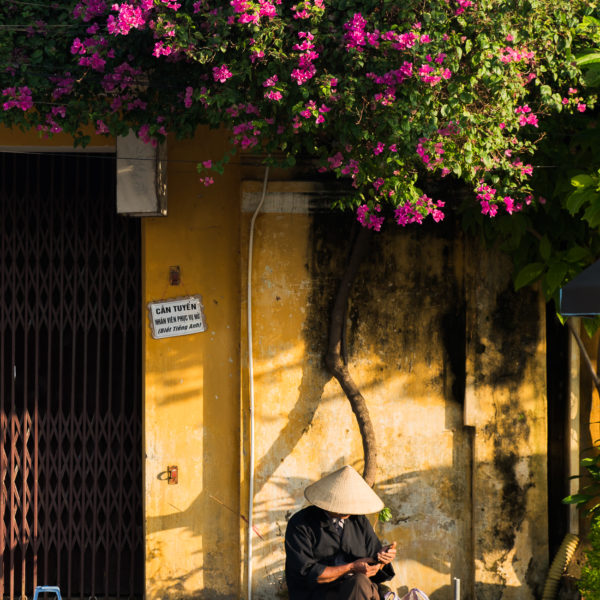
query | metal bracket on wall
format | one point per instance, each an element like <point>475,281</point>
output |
<point>172,475</point>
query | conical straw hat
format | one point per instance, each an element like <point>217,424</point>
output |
<point>344,492</point>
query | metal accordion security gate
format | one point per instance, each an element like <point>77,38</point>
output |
<point>70,376</point>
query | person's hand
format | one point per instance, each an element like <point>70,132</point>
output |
<point>387,554</point>
<point>366,566</point>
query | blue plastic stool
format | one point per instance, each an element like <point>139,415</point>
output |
<point>41,589</point>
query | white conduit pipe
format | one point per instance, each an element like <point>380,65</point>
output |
<point>251,384</point>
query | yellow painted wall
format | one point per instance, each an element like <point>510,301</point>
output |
<point>192,385</point>
<point>467,500</point>
<point>16,138</point>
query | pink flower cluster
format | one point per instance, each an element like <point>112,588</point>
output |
<point>305,10</point>
<point>246,134</point>
<point>508,55</point>
<point>357,37</point>
<point>355,32</point>
<point>433,76</point>
<point>407,213</point>
<point>393,77</point>
<point>437,150</point>
<point>88,9</point>
<point>251,12</point>
<point>188,96</point>
<point>462,6</point>
<point>18,97</point>
<point>526,117</point>
<point>63,85</point>
<point>485,195</point>
<point>581,106</point>
<point>128,17</point>
<point>222,73</point>
<point>311,110</point>
<point>306,70</point>
<point>401,41</point>
<point>51,126</point>
<point>390,79</point>
<point>123,77</point>
<point>370,218</point>
<point>145,135</point>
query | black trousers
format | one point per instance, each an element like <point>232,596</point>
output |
<point>357,587</point>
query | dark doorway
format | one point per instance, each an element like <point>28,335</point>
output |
<point>557,369</point>
<point>70,375</point>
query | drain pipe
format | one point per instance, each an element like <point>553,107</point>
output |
<point>559,564</point>
<point>251,384</point>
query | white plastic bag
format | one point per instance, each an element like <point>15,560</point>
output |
<point>415,594</point>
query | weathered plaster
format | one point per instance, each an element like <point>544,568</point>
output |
<point>467,501</point>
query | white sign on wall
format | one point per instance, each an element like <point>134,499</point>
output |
<point>176,316</point>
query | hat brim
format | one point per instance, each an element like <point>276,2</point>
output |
<point>344,492</point>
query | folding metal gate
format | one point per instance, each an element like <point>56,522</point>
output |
<point>70,416</point>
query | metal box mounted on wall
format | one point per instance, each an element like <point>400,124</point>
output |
<point>141,177</point>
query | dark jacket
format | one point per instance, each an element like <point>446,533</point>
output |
<point>311,544</point>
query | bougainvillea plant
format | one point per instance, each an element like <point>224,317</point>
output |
<point>379,92</point>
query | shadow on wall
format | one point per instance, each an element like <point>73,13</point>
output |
<point>423,535</point>
<point>432,506</point>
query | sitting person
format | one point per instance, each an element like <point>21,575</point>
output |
<point>332,552</point>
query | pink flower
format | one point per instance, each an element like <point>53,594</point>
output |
<point>222,73</point>
<point>336,160</point>
<point>77,47</point>
<point>187,100</point>
<point>581,107</point>
<point>522,109</point>
<point>129,17</point>
<point>275,96</point>
<point>207,164</point>
<point>369,220</point>
<point>18,98</point>
<point>271,81</point>
<point>101,127</point>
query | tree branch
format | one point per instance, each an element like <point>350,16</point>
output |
<point>336,364</point>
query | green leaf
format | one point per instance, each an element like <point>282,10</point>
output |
<point>545,248</point>
<point>582,180</point>
<point>588,59</point>
<point>578,198</point>
<point>529,274</point>
<point>385,514</point>
<point>555,276</point>
<point>591,325</point>
<point>576,499</point>
<point>592,213</point>
<point>577,253</point>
